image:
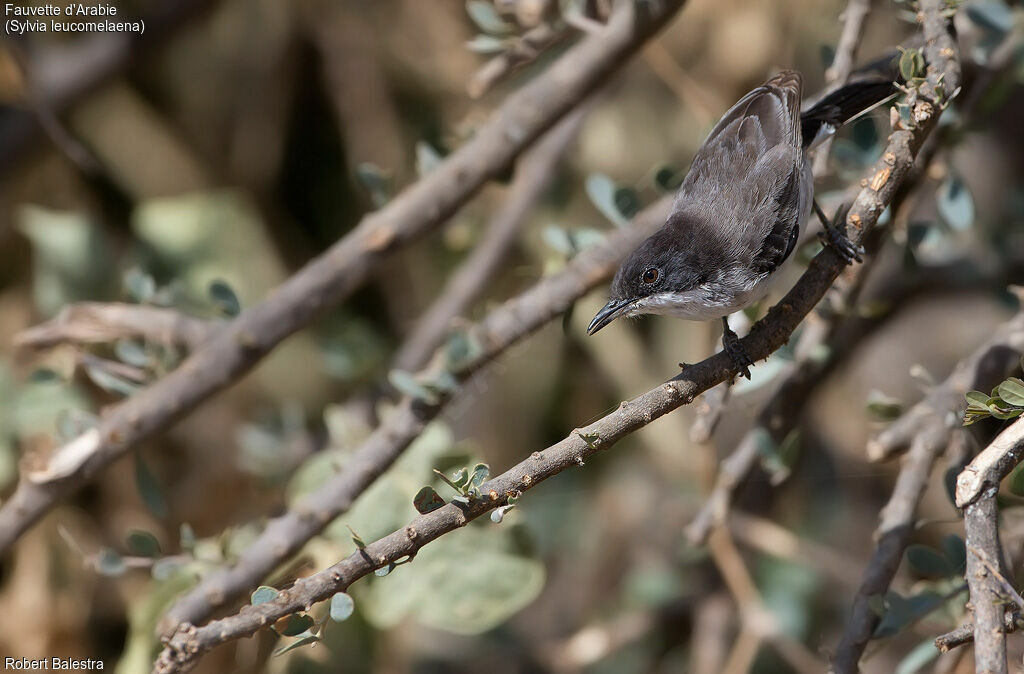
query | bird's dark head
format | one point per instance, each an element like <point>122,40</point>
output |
<point>664,275</point>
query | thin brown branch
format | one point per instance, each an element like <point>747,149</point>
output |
<point>854,18</point>
<point>897,517</point>
<point>526,49</point>
<point>332,277</point>
<point>94,323</point>
<point>189,643</point>
<point>1012,621</point>
<point>534,172</point>
<point>976,490</point>
<point>505,326</point>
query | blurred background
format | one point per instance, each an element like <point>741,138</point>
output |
<point>199,165</point>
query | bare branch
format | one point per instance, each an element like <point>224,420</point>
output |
<point>526,49</point>
<point>533,175</point>
<point>332,277</point>
<point>1012,621</point>
<point>94,322</point>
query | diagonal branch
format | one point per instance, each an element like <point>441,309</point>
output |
<point>95,322</point>
<point>502,328</point>
<point>185,647</point>
<point>332,277</point>
<point>533,176</point>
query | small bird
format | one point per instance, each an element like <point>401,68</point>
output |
<point>739,212</point>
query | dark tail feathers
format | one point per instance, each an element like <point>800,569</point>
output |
<point>838,107</point>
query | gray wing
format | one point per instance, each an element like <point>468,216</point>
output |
<point>747,181</point>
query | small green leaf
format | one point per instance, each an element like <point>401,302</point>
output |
<point>956,206</point>
<point>955,550</point>
<point>911,64</point>
<point>604,194</point>
<point>44,375</point>
<point>928,562</point>
<point>166,568</point>
<point>407,384</point>
<point>295,624</point>
<point>356,538</point>
<point>139,286</point>
<point>262,595</point>
<point>977,397</point>
<point>1012,392</point>
<point>461,349</point>
<point>668,178</point>
<point>478,476</point>
<point>427,501</point>
<point>149,488</point>
<point>378,184</point>
<point>109,381</point>
<point>498,514</point>
<point>132,352</point>
<point>427,158</point>
<point>342,607</point>
<point>627,202</point>
<point>486,17</point>
<point>900,612</point>
<point>186,536</point>
<point>143,543</point>
<point>304,641</point>
<point>73,422</point>
<point>224,298</point>
<point>486,44</point>
<point>384,570</point>
<point>109,563</point>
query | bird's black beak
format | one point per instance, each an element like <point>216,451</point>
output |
<point>607,314</point>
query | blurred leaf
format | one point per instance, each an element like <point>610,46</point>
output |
<point>558,240</point>
<point>294,624</point>
<point>186,536</point>
<point>143,543</point>
<point>460,349</point>
<point>827,54</point>
<point>668,178</point>
<point>132,352</point>
<point>606,197</point>
<point>72,423</point>
<point>342,607</point>
<point>993,15</point>
<point>478,476</point>
<point>262,595</point>
<point>949,480</point>
<point>490,586</point>
<point>224,298</point>
<point>376,181</point>
<point>955,203</point>
<point>585,237</point>
<point>166,568</point>
<point>109,563</point>
<point>427,501</point>
<point>928,562</point>
<point>883,407</point>
<point>486,17</point>
<point>1012,392</point>
<point>108,381</point>
<point>149,489</point>
<point>407,384</point>
<point>427,158</point>
<point>955,550</point>
<point>900,612</point>
<point>486,44</point>
<point>304,641</point>
<point>627,202</point>
<point>916,659</point>
<point>139,286</point>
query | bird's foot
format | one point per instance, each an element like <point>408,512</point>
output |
<point>735,351</point>
<point>833,235</point>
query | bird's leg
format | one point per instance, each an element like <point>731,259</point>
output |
<point>732,347</point>
<point>834,234</point>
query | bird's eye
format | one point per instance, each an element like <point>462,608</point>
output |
<point>650,276</point>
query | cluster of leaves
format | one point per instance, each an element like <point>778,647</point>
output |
<point>304,627</point>
<point>1006,401</point>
